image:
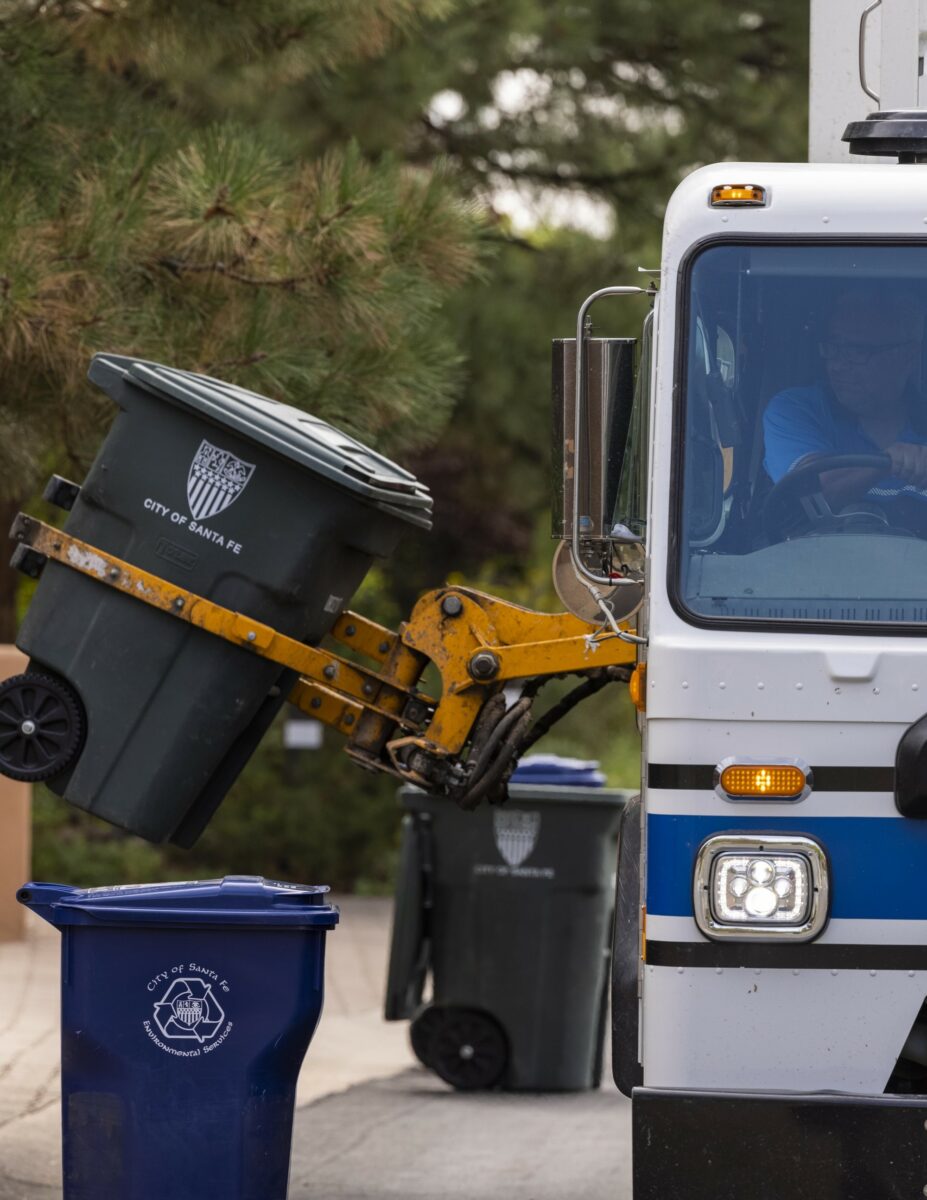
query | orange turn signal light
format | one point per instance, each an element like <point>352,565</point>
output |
<point>737,195</point>
<point>768,781</point>
<point>637,686</point>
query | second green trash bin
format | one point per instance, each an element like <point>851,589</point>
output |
<point>509,910</point>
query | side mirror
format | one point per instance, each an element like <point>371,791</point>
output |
<point>606,415</point>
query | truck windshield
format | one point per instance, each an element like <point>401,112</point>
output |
<point>802,439</point>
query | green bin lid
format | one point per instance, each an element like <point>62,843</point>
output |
<point>281,428</point>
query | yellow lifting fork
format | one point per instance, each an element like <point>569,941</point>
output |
<point>464,743</point>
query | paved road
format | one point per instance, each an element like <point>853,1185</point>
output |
<point>410,1137</point>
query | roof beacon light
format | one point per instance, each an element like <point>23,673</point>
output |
<point>738,195</point>
<point>743,779</point>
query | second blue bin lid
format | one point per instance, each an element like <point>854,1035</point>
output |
<point>236,900</point>
<point>552,770</point>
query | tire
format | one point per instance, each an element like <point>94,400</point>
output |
<point>468,1049</point>
<point>427,1022</point>
<point>42,727</point>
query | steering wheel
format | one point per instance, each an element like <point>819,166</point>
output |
<point>802,487</point>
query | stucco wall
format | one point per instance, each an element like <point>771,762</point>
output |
<point>15,828</point>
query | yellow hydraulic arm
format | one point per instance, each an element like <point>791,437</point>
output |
<point>464,742</point>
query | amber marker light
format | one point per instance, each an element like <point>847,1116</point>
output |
<point>738,195</point>
<point>763,781</point>
<point>637,687</point>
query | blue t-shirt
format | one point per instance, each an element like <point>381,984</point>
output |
<point>806,420</point>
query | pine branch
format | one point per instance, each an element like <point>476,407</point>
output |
<point>249,360</point>
<point>511,239</point>
<point>179,268</point>
<point>492,162</point>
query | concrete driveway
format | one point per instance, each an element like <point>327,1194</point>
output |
<point>410,1136</point>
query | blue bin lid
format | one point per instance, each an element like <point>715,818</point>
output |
<point>240,900</point>
<point>281,428</point>
<point>553,770</point>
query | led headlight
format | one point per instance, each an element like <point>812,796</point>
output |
<point>769,886</point>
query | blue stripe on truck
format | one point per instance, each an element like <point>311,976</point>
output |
<point>878,865</point>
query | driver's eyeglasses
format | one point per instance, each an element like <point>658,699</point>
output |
<point>857,354</point>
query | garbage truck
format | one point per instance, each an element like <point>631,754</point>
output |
<point>741,506</point>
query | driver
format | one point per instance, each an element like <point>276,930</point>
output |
<point>867,404</point>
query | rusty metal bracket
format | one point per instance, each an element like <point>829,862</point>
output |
<point>477,642</point>
<point>489,642</point>
<point>335,674</point>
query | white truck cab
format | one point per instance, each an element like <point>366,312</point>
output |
<point>785,929</point>
<point>770,969</point>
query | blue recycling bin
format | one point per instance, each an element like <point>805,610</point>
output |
<point>186,1011</point>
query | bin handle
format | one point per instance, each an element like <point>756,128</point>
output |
<point>43,898</point>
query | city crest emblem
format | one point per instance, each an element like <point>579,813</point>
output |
<point>188,1009</point>
<point>215,480</point>
<point>516,833</point>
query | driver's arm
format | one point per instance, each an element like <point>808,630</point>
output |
<point>794,426</point>
<point>909,464</point>
<point>846,484</point>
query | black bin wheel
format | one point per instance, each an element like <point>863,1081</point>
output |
<point>42,726</point>
<point>427,1022</point>
<point>468,1049</point>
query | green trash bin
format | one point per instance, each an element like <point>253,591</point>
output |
<point>145,720</point>
<point>508,910</point>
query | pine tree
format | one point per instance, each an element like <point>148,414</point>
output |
<point>614,97</point>
<point>146,214</point>
<point>613,100</point>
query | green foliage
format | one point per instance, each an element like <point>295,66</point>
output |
<point>490,472</point>
<point>303,815</point>
<point>617,97</point>
<point>602,728</point>
<point>140,219</point>
<point>71,847</point>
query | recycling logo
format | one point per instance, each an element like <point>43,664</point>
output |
<point>188,1010</point>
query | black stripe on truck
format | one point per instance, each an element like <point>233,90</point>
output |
<point>802,956</point>
<point>701,777</point>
